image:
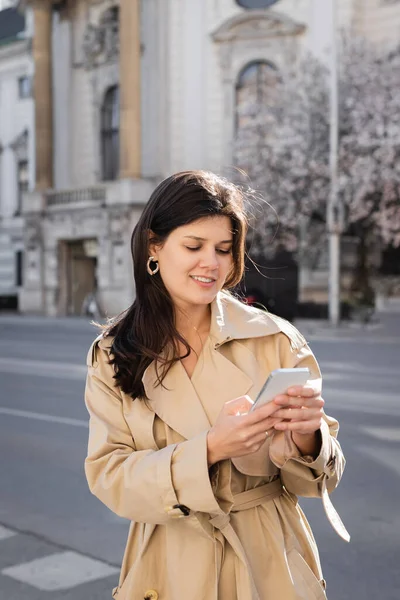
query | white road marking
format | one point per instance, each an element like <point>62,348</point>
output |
<point>382,457</point>
<point>387,434</point>
<point>361,396</point>
<point>341,339</point>
<point>13,412</point>
<point>42,368</point>
<point>60,571</point>
<point>335,376</point>
<point>351,368</point>
<point>6,533</point>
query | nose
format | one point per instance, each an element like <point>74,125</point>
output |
<point>209,259</point>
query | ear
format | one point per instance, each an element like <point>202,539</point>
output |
<point>153,247</point>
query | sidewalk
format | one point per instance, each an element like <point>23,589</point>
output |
<point>13,318</point>
<point>384,326</point>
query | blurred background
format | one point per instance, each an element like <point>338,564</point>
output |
<point>296,100</point>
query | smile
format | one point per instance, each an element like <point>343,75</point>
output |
<point>203,279</point>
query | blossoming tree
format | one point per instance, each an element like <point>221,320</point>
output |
<point>283,148</point>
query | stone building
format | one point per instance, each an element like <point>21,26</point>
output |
<point>130,91</point>
<point>16,146</point>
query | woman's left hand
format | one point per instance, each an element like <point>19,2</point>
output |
<point>301,409</point>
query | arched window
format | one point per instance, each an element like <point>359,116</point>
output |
<point>256,3</point>
<point>256,91</point>
<point>110,134</point>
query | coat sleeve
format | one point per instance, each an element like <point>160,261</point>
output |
<point>304,475</point>
<point>147,485</point>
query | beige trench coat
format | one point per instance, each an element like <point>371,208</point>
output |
<point>232,532</point>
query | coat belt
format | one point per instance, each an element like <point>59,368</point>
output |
<point>245,500</point>
<point>257,495</point>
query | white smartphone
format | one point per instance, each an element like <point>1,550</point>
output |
<point>279,382</point>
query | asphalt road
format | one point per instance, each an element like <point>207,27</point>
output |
<point>58,541</point>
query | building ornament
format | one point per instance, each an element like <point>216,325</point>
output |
<point>32,233</point>
<point>101,42</point>
<point>20,145</point>
<point>257,24</point>
<point>119,222</point>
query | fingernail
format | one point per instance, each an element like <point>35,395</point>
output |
<point>279,425</point>
<point>280,399</point>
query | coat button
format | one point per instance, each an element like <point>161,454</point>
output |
<point>151,595</point>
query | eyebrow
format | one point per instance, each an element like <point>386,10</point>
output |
<point>200,239</point>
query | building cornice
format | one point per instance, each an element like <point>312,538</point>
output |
<point>15,48</point>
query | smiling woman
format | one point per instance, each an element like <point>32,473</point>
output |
<point>209,485</point>
<point>191,235</point>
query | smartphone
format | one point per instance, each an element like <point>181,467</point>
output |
<point>279,382</point>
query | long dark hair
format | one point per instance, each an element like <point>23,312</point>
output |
<point>147,328</point>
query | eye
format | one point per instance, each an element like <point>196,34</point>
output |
<point>224,251</point>
<point>192,249</point>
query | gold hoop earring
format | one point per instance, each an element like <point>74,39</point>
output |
<point>149,269</point>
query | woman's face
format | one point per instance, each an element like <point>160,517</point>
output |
<point>195,260</point>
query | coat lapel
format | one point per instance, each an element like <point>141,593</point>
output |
<point>176,401</point>
<point>219,380</point>
<point>181,407</point>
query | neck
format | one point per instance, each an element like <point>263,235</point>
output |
<point>197,320</point>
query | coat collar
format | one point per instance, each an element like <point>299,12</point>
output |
<point>233,320</point>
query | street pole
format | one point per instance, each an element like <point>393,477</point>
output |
<point>333,216</point>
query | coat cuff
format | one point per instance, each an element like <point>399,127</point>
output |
<point>284,449</point>
<point>319,464</point>
<point>191,477</point>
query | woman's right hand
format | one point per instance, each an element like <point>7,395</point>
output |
<point>237,431</point>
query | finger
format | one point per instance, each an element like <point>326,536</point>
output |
<point>299,414</point>
<point>254,443</point>
<point>300,426</point>
<point>248,433</point>
<point>261,413</point>
<point>261,427</point>
<point>304,390</point>
<point>296,402</point>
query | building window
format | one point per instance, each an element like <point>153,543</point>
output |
<point>110,134</point>
<point>19,268</point>
<point>256,90</point>
<point>22,183</point>
<point>256,3</point>
<point>24,87</point>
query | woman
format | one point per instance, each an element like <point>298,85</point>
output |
<point>211,489</point>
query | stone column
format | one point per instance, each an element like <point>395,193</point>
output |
<point>130,93</point>
<point>42,57</point>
